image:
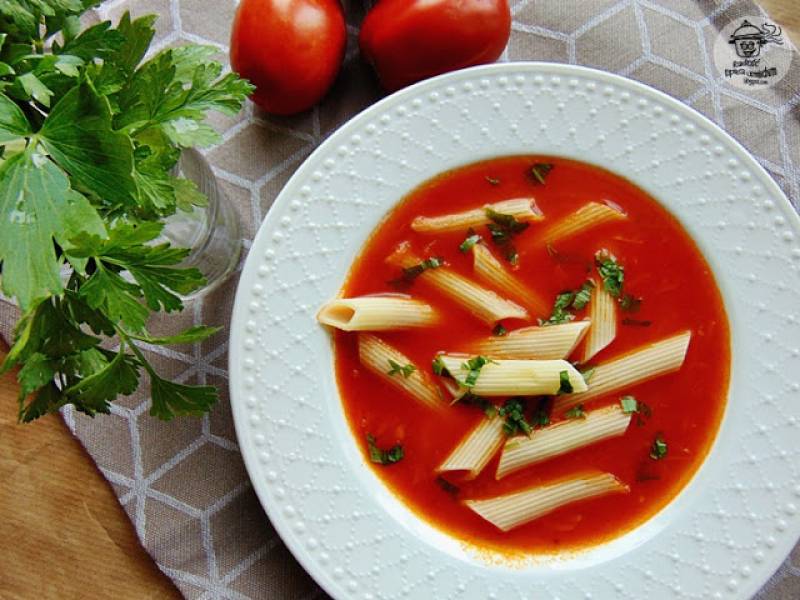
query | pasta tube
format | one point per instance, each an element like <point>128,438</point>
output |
<point>512,510</point>
<point>485,304</point>
<point>603,314</point>
<point>522,209</point>
<point>376,313</point>
<point>513,377</point>
<point>476,449</point>
<point>592,214</point>
<point>394,367</point>
<point>563,437</point>
<point>646,362</point>
<point>492,272</point>
<point>553,341</point>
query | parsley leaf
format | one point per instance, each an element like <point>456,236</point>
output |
<point>485,405</point>
<point>541,416</point>
<point>170,399</point>
<point>630,303</point>
<point>438,366</point>
<point>404,370</point>
<point>540,171</point>
<point>611,271</point>
<point>499,330</point>
<point>503,228</point>
<point>474,366</point>
<point>659,448</point>
<point>411,273</point>
<point>588,373</point>
<point>513,410</point>
<point>565,386</point>
<point>448,487</point>
<point>576,412</point>
<point>471,239</point>
<point>560,313</point>
<point>384,457</point>
<point>584,295</point>
<point>629,405</point>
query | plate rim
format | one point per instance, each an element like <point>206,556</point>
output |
<point>281,526</point>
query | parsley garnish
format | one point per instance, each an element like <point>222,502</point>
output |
<point>471,239</point>
<point>471,399</point>
<point>448,487</point>
<point>499,330</point>
<point>636,322</point>
<point>541,416</point>
<point>611,271</point>
<point>539,172</point>
<point>659,448</point>
<point>630,303</point>
<point>576,412</point>
<point>474,366</point>
<point>396,369</point>
<point>565,386</point>
<point>629,405</point>
<point>514,413</point>
<point>583,295</point>
<point>587,374</point>
<point>411,273</point>
<point>439,367</point>
<point>384,457</point>
<point>503,228</point>
<point>492,180</point>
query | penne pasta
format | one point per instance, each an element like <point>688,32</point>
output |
<point>542,343</point>
<point>377,313</point>
<point>512,510</point>
<point>476,449</point>
<point>647,362</point>
<point>378,356</point>
<point>514,377</point>
<point>603,315</point>
<point>492,272</point>
<point>592,214</point>
<point>485,304</point>
<point>522,209</point>
<point>563,437</point>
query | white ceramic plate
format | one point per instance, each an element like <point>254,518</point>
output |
<point>726,532</point>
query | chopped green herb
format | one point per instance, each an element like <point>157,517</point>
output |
<point>396,369</point>
<point>565,386</point>
<point>588,373</point>
<point>539,172</point>
<point>643,413</point>
<point>499,330</point>
<point>503,228</point>
<point>575,412</point>
<point>630,303</point>
<point>659,448</point>
<point>474,366</point>
<point>514,413</point>
<point>492,180</point>
<point>448,487</point>
<point>384,457</point>
<point>584,295</point>
<point>560,313</point>
<point>611,271</point>
<point>411,273</point>
<point>439,367</point>
<point>485,405</point>
<point>636,322</point>
<point>471,239</point>
<point>541,416</point>
<point>629,405</point>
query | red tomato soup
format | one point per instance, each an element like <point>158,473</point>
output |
<point>662,266</point>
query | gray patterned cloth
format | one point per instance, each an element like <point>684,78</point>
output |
<point>183,483</point>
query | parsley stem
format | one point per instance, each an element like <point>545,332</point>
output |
<point>126,339</point>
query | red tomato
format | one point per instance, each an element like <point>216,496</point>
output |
<point>409,40</point>
<point>291,50</point>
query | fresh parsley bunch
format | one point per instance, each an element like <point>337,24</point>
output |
<point>89,136</point>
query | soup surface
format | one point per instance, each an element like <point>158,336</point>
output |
<point>662,267</point>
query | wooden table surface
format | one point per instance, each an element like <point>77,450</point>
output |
<point>63,533</point>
